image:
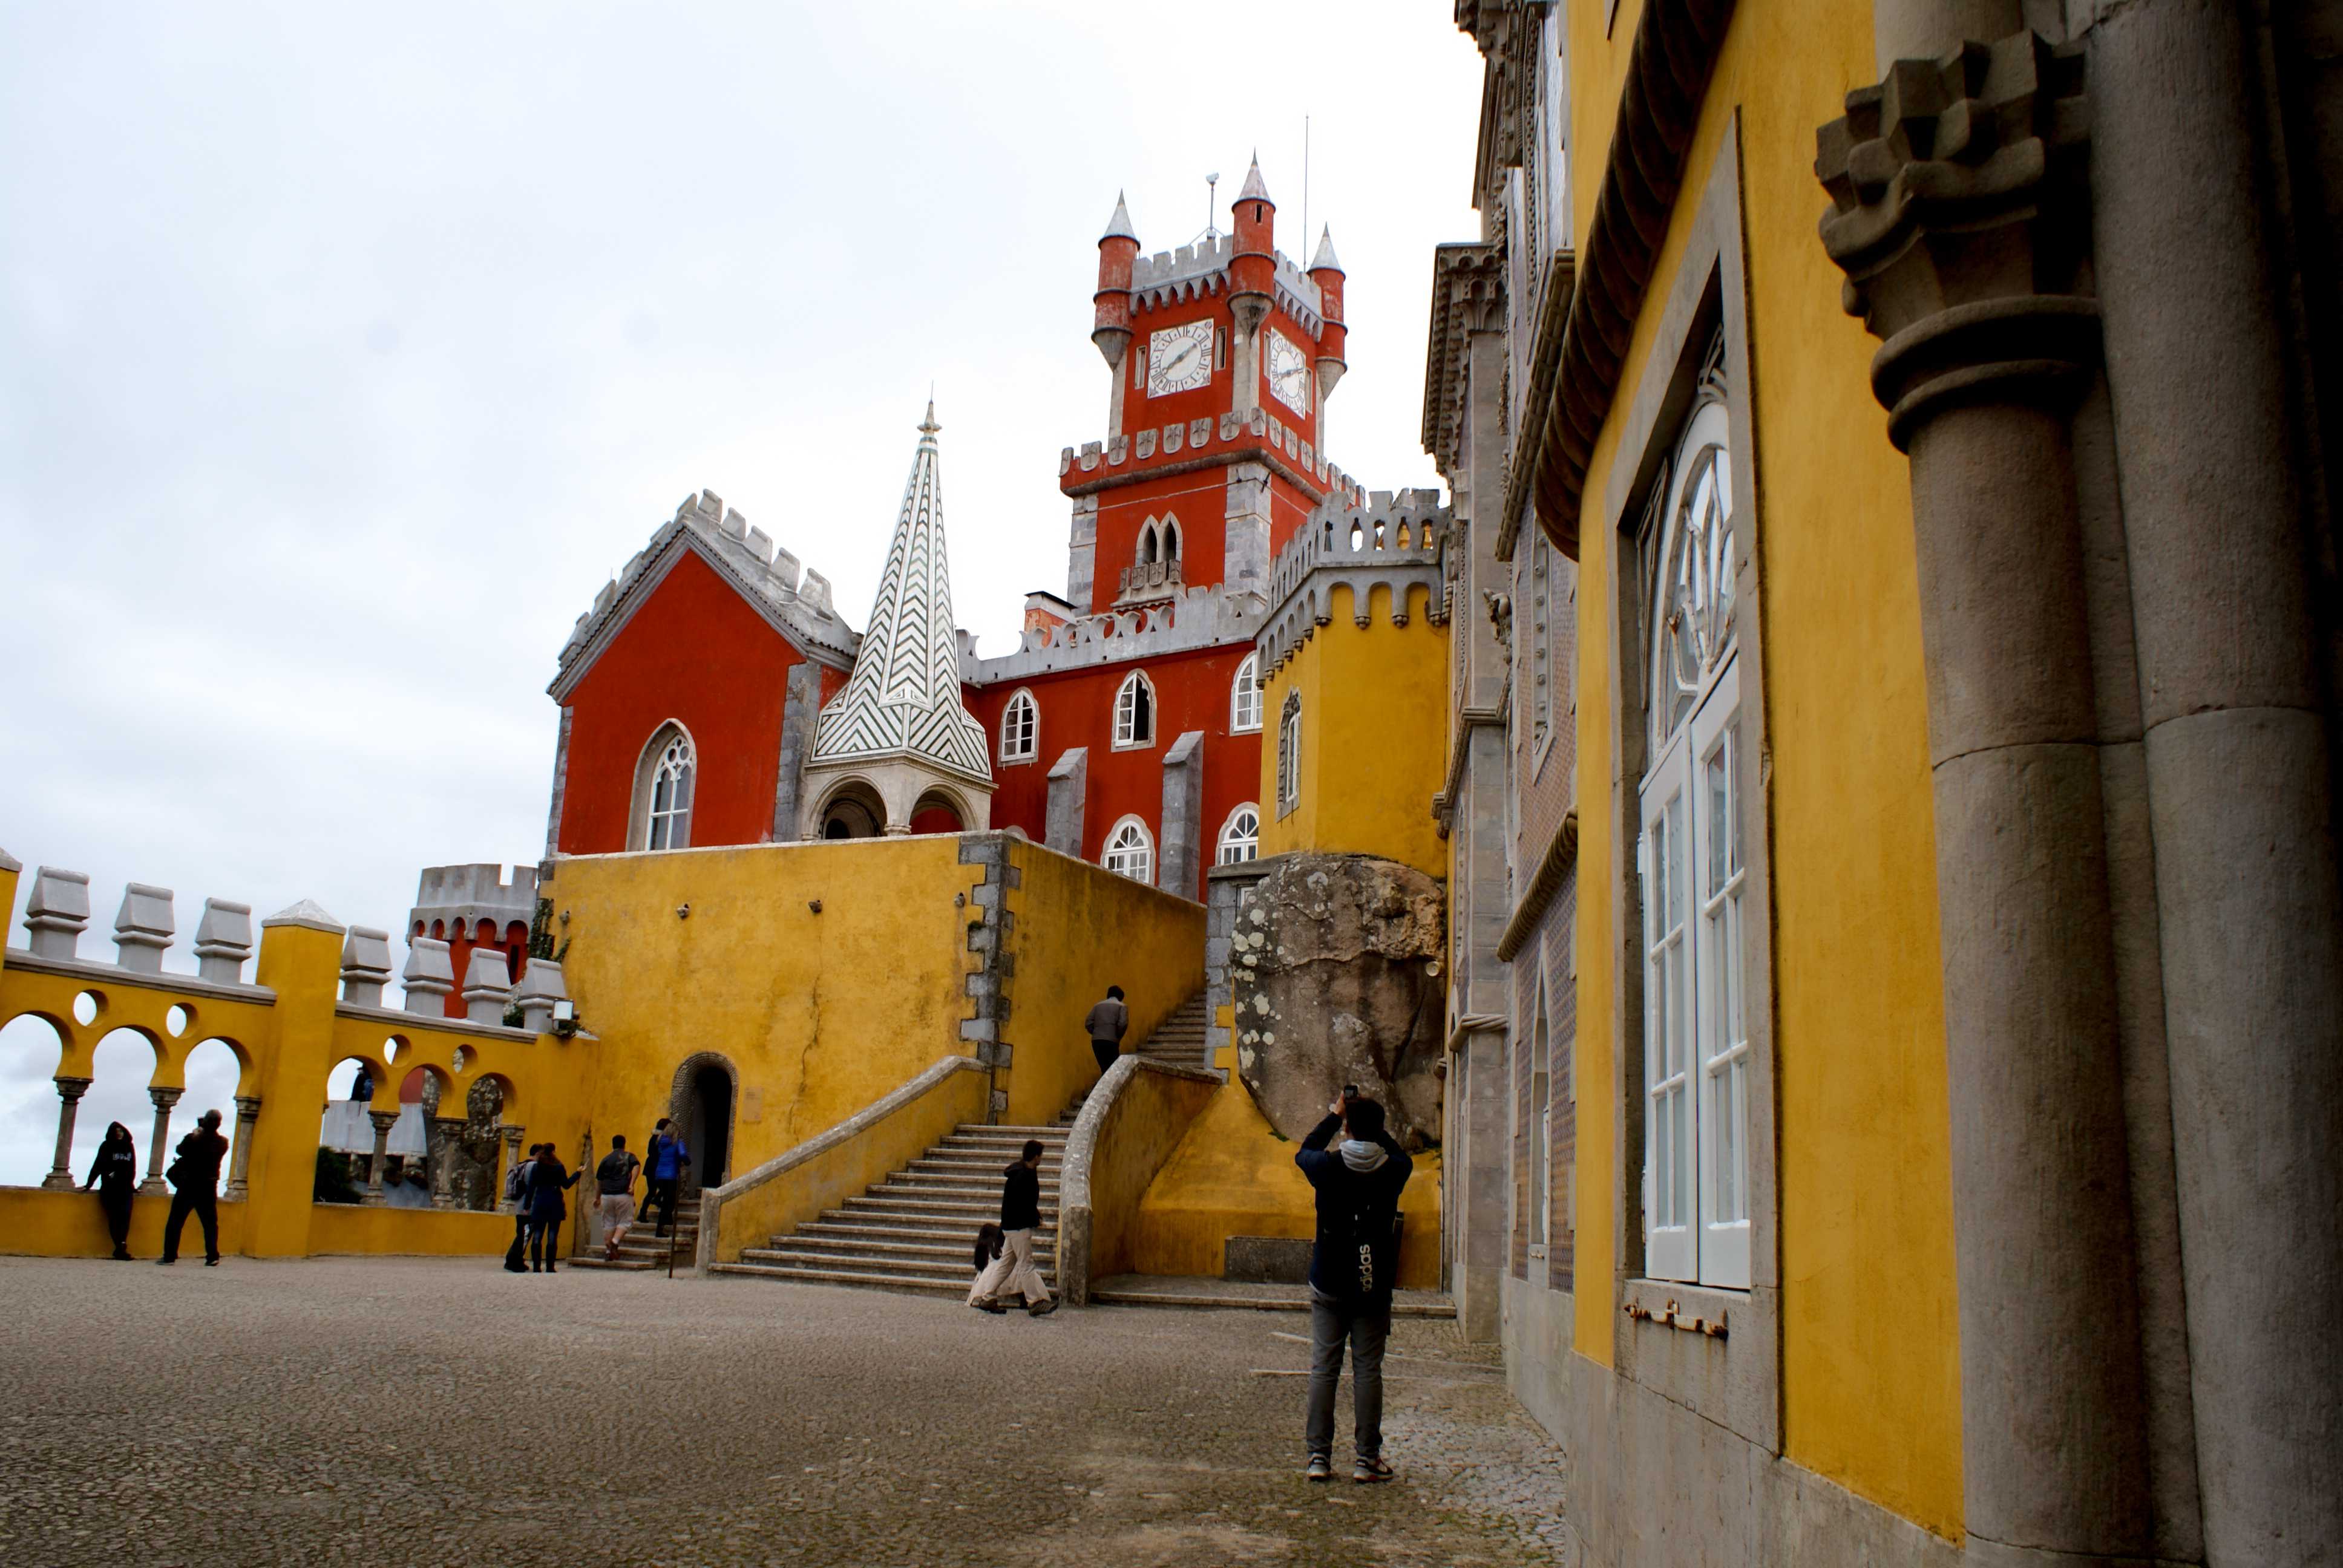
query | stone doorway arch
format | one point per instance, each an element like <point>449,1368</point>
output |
<point>704,1105</point>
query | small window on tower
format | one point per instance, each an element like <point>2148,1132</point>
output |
<point>1220,348</point>
<point>1139,368</point>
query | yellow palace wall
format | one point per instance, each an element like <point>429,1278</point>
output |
<point>1869,1352</point>
<point>1373,716</point>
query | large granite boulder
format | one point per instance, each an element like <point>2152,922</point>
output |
<point>1336,975</point>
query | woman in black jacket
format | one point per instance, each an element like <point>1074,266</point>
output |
<point>114,1174</point>
<point>547,1208</point>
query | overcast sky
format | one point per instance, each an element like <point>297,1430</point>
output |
<point>345,351</point>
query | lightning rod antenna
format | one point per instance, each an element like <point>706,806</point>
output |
<point>1211,205</point>
<point>1305,183</point>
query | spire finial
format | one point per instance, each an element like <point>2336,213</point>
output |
<point>1254,190</point>
<point>1325,256</point>
<point>1118,225</point>
<point>928,427</point>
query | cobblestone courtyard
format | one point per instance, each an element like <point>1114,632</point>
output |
<point>412,1412</point>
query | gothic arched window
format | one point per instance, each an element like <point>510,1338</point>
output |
<point>1134,711</point>
<point>1244,697</point>
<point>663,789</point>
<point>1020,729</point>
<point>1696,1049</point>
<point>1240,837</point>
<point>1131,852</point>
<point>1289,754</point>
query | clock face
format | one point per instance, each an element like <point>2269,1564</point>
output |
<point>1180,359</point>
<point>1289,374</point>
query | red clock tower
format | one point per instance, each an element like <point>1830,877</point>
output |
<point>1222,355</point>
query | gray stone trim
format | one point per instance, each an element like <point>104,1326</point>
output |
<point>112,974</point>
<point>1069,790</point>
<point>1075,1214</point>
<point>1183,810</point>
<point>1561,854</point>
<point>992,923</point>
<point>799,710</point>
<point>1225,889</point>
<point>1197,618</point>
<point>713,1199</point>
<point>1710,289</point>
<point>560,783</point>
<point>305,914</point>
<point>397,1023</point>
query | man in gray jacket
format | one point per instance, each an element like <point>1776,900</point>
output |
<point>1107,1022</point>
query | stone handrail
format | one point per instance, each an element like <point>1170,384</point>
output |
<point>937,1080</point>
<point>1089,1184</point>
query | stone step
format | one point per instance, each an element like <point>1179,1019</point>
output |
<point>845,1277</point>
<point>903,1182</point>
<point>947,1270</point>
<point>961,1253</point>
<point>933,1224</point>
<point>977,1210</point>
<point>623,1264</point>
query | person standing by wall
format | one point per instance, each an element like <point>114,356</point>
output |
<point>196,1176</point>
<point>614,1179</point>
<point>546,1207</point>
<point>517,1181</point>
<point>663,1173</point>
<point>114,1174</point>
<point>1108,1022</point>
<point>1353,1262</point>
<point>1013,1269</point>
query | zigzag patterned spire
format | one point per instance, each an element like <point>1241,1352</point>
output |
<point>903,698</point>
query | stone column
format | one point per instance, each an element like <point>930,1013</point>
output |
<point>382,1120</point>
<point>2189,241</point>
<point>69,1093</point>
<point>511,1136</point>
<point>239,1166</point>
<point>445,1132</point>
<point>1963,262</point>
<point>164,1100</point>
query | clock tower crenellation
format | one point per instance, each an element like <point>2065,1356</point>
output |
<point>1220,355</point>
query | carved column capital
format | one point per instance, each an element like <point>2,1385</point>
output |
<point>1959,213</point>
<point>248,1106</point>
<point>165,1099</point>
<point>71,1089</point>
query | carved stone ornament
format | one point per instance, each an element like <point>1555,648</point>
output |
<point>1958,212</point>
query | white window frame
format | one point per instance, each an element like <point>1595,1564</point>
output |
<point>1690,857</point>
<point>1126,736</point>
<point>1244,697</point>
<point>1129,842</point>
<point>657,822</point>
<point>1538,1130</point>
<point>1289,752</point>
<point>1014,747</point>
<point>1247,846</point>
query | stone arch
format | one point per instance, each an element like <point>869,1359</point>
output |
<point>705,1103</point>
<point>853,808</point>
<point>937,802</point>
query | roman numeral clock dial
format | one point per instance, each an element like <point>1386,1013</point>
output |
<point>1289,373</point>
<point>1180,359</point>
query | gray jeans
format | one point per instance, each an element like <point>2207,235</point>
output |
<point>1332,1323</point>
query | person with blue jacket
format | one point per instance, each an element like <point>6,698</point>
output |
<point>663,1163</point>
<point>1353,1263</point>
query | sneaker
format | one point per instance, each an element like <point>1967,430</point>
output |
<point>1041,1310</point>
<point>167,1263</point>
<point>1368,1471</point>
<point>995,1308</point>
<point>1321,1468</point>
<point>211,1262</point>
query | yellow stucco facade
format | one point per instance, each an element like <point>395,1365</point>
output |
<point>1373,720</point>
<point>1869,1371</point>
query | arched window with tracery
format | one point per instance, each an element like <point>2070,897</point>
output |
<point>664,781</point>
<point>1020,729</point>
<point>1240,837</point>
<point>1244,697</point>
<point>1289,754</point>
<point>1696,1049</point>
<point>1134,711</point>
<point>1131,852</point>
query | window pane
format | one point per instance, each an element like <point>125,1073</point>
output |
<point>1719,816</point>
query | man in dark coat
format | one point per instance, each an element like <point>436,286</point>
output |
<point>194,1176</point>
<point>1107,1021</point>
<point>1353,1262</point>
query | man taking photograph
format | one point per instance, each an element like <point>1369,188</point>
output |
<point>1353,1263</point>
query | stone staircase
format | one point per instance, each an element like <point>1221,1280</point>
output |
<point>643,1250</point>
<point>915,1230</point>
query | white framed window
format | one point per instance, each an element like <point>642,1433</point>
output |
<point>1288,753</point>
<point>1131,852</point>
<point>1148,543</point>
<point>1240,837</point>
<point>1696,1049</point>
<point>1134,712</point>
<point>1244,697</point>
<point>664,780</point>
<point>1020,729</point>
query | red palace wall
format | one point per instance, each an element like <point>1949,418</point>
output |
<point>696,653</point>
<point>1077,708</point>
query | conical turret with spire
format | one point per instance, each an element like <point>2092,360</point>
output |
<point>898,729</point>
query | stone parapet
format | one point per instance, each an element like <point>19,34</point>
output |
<point>1196,618</point>
<point>1231,437</point>
<point>1388,540</point>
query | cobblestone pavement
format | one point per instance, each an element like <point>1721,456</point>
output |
<point>423,1412</point>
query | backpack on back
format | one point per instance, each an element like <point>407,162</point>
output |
<point>516,1183</point>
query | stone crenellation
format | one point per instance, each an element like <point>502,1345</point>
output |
<point>1390,540</point>
<point>1188,436</point>
<point>1198,617</point>
<point>797,594</point>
